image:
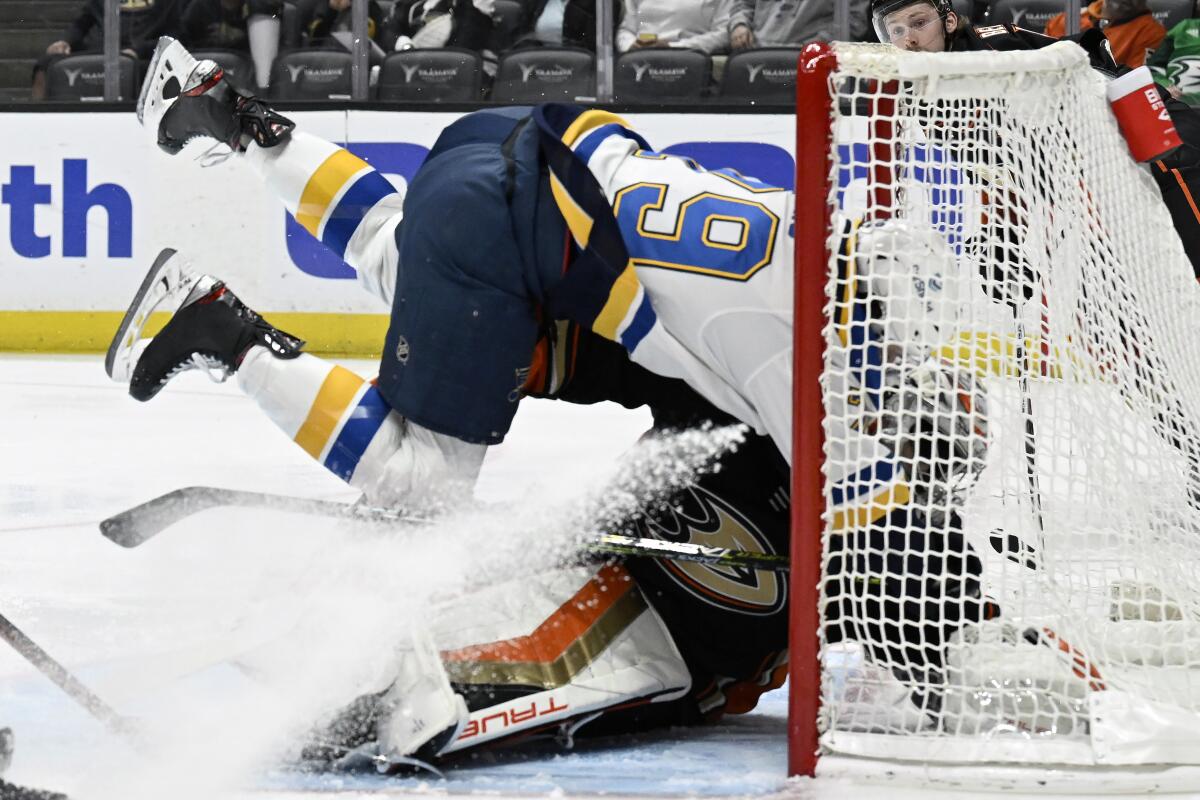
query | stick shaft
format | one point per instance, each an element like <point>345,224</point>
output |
<point>135,526</point>
<point>56,672</point>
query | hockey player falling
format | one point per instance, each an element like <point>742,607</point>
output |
<point>582,265</point>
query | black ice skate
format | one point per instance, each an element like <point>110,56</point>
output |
<point>184,99</point>
<point>210,329</point>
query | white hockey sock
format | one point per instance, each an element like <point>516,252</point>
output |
<point>344,423</point>
<point>334,415</point>
<point>339,199</point>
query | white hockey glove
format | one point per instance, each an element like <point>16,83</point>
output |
<point>934,417</point>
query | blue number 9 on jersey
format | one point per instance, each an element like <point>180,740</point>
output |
<point>712,234</point>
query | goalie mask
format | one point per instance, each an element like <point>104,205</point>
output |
<point>934,419</point>
<point>914,24</point>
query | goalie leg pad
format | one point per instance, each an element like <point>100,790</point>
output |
<point>421,712</point>
<point>564,646</point>
<point>550,651</point>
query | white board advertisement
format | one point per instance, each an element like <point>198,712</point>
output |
<point>87,201</point>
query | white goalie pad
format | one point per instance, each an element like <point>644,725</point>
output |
<point>421,703</point>
<point>566,644</point>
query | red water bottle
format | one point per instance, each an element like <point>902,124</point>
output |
<point>1142,115</point>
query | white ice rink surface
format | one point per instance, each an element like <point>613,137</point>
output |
<point>148,629</point>
<point>156,631</point>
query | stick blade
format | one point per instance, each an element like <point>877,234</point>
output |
<point>137,525</point>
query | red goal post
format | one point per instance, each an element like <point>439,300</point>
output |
<point>813,143</point>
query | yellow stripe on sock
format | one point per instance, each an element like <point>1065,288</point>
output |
<point>623,294</point>
<point>335,396</point>
<point>324,185</point>
<point>868,513</point>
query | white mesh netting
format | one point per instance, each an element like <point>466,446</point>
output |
<point>1011,566</point>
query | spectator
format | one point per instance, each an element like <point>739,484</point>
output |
<point>697,24</point>
<point>222,24</point>
<point>790,23</point>
<point>442,23</point>
<point>1131,30</point>
<point>236,25</point>
<point>1176,62</point>
<point>320,19</point>
<point>570,23</point>
<point>141,22</point>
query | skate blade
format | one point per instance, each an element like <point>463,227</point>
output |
<point>156,287</point>
<point>164,43</point>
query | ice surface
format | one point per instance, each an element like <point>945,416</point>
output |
<point>168,632</point>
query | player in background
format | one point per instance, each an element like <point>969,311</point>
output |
<point>583,240</point>
<point>932,26</point>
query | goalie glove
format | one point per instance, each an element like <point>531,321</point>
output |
<point>1007,275</point>
<point>934,418</point>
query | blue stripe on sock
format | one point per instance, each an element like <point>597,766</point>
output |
<point>364,422</point>
<point>867,478</point>
<point>643,320</point>
<point>360,198</point>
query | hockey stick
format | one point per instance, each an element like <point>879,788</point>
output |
<point>63,679</point>
<point>137,525</point>
<point>1031,476</point>
<point>611,544</point>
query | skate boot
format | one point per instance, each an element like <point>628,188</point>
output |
<point>184,99</point>
<point>210,329</point>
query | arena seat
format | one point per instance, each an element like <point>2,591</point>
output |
<point>1171,12</point>
<point>290,34</point>
<point>662,75</point>
<point>238,66</point>
<point>545,74</point>
<point>509,18</point>
<point>971,10</point>
<point>763,75</point>
<point>81,77</point>
<point>431,76</point>
<point>1030,14</point>
<point>311,75</point>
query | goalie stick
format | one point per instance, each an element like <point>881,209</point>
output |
<point>137,525</point>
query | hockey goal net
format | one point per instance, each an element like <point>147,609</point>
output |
<point>997,494</point>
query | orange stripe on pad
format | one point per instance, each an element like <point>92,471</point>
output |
<point>560,630</point>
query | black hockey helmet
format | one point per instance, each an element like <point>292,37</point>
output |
<point>881,9</point>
